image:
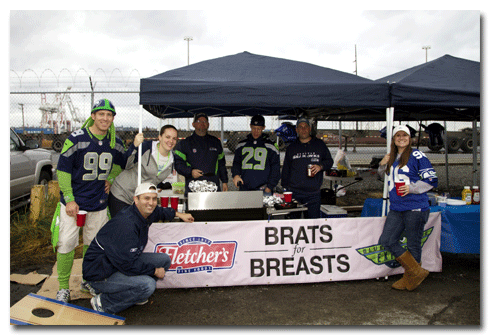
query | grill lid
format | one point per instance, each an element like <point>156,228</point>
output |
<point>224,200</point>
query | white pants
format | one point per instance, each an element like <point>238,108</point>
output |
<point>69,231</point>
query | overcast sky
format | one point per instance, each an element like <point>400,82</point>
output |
<point>144,43</point>
<point>60,46</point>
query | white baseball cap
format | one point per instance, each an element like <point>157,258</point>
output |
<point>401,128</point>
<point>145,188</point>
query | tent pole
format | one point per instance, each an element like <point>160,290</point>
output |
<point>420,131</point>
<point>139,147</point>
<point>390,111</point>
<point>222,132</point>
<point>446,155</point>
<point>475,153</point>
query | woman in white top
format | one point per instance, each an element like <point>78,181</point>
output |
<point>157,162</point>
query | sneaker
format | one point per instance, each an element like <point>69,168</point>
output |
<point>96,304</point>
<point>63,295</point>
<point>85,287</point>
<point>142,303</point>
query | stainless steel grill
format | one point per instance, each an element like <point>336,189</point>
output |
<point>226,206</point>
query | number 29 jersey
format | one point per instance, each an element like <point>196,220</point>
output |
<point>89,161</point>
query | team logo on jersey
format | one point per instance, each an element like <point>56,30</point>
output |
<point>194,150</point>
<point>198,253</point>
<point>379,256</point>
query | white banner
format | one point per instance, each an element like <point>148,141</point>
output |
<point>206,254</point>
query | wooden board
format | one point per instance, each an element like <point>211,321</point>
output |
<point>62,313</point>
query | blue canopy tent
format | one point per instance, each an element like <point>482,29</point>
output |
<point>249,84</point>
<point>447,88</point>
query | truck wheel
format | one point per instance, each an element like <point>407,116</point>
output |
<point>57,145</point>
<point>44,178</point>
<point>453,144</point>
<point>467,145</point>
<point>434,148</point>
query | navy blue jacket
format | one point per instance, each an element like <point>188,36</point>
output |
<point>256,161</point>
<point>119,243</point>
<point>295,165</point>
<point>204,153</point>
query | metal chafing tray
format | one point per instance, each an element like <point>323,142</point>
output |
<point>226,206</point>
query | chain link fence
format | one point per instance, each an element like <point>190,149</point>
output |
<point>49,114</point>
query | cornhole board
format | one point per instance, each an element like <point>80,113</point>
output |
<point>34,309</point>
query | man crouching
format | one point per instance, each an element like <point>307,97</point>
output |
<point>119,274</point>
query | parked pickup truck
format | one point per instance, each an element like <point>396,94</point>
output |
<point>29,165</point>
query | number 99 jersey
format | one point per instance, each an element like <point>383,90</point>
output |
<point>418,168</point>
<point>89,162</point>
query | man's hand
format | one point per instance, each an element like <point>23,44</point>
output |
<point>196,173</point>
<point>107,187</point>
<point>72,209</point>
<point>225,187</point>
<point>316,168</point>
<point>160,273</point>
<point>138,139</point>
<point>237,179</point>
<point>186,217</point>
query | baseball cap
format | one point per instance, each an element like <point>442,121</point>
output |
<point>401,128</point>
<point>257,120</point>
<point>145,188</point>
<point>198,115</point>
<point>104,104</point>
<point>301,120</point>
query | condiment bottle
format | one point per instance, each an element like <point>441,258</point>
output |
<point>475,195</point>
<point>466,195</point>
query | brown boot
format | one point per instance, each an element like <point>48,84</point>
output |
<point>414,273</point>
<point>402,283</point>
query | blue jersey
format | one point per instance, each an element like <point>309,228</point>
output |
<point>89,161</point>
<point>256,161</point>
<point>418,168</point>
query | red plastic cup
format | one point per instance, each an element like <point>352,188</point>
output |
<point>164,201</point>
<point>288,196</point>
<point>174,202</point>
<point>398,185</point>
<point>81,218</point>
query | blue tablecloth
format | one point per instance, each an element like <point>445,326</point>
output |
<point>460,225</point>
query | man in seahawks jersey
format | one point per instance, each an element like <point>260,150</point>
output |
<point>85,162</point>
<point>256,163</point>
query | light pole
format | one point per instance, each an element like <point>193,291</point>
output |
<point>188,39</point>
<point>426,47</point>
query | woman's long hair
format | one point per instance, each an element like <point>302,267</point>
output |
<point>394,152</point>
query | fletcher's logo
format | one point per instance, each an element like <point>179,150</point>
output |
<point>197,253</point>
<point>379,256</point>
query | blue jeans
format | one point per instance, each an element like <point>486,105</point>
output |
<point>119,292</point>
<point>412,222</point>
<point>313,203</point>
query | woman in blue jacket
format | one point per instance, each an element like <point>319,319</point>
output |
<point>409,208</point>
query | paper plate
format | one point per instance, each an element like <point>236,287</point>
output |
<point>455,202</point>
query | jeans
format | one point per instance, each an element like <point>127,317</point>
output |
<point>119,292</point>
<point>412,222</point>
<point>313,203</point>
